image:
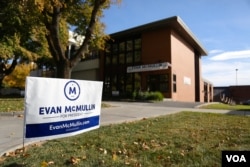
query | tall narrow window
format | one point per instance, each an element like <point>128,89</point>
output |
<point>137,56</point>
<point>107,84</point>
<point>129,83</point>
<point>174,83</point>
<point>137,50</point>
<point>114,59</point>
<point>122,47</point>
<point>137,81</point>
<point>129,57</point>
<point>107,59</point>
<point>115,48</point>
<point>129,45</point>
<point>137,43</point>
<point>121,58</point>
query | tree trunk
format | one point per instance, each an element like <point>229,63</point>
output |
<point>52,22</point>
<point>63,69</point>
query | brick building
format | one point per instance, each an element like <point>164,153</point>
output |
<point>238,93</point>
<point>160,56</point>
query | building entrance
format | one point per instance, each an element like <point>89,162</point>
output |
<point>153,83</point>
<point>158,83</point>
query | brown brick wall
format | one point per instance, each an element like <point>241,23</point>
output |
<point>240,93</point>
<point>156,46</point>
<point>155,49</point>
<point>183,67</point>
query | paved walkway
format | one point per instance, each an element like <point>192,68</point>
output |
<point>11,126</point>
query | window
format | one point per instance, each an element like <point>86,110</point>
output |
<point>107,60</point>
<point>129,58</point>
<point>174,83</point>
<point>114,59</point>
<point>120,54</point>
<point>138,44</point>
<point>121,58</point>
<point>114,83</point>
<point>114,48</point>
<point>129,83</point>
<point>129,45</point>
<point>158,82</point>
<point>137,81</point>
<point>124,52</point>
<point>137,56</point>
<point>122,47</point>
<point>107,84</point>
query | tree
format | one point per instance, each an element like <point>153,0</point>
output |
<point>19,41</point>
<point>42,27</point>
<point>84,15</point>
<point>17,78</point>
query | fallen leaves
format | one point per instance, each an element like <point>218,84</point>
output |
<point>74,160</point>
<point>20,116</point>
<point>2,159</point>
<point>15,153</point>
<point>21,152</point>
<point>114,156</point>
<point>102,150</point>
<point>145,146</point>
<point>45,164</point>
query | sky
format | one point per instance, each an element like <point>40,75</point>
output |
<point>221,26</point>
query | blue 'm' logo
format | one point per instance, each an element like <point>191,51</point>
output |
<point>72,90</point>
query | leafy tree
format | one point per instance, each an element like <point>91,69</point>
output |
<point>19,41</point>
<point>50,20</point>
<point>17,77</point>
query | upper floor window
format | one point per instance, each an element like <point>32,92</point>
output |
<point>126,51</point>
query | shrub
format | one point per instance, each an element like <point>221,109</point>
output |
<point>155,96</point>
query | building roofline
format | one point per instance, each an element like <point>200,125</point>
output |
<point>207,81</point>
<point>174,23</point>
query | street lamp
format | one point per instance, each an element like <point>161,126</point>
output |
<point>236,70</point>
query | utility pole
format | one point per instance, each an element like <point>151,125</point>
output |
<point>236,79</point>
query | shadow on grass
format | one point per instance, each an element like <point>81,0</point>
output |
<point>14,165</point>
<point>242,112</point>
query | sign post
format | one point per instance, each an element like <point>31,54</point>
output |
<point>56,108</point>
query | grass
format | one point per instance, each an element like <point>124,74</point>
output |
<point>17,104</point>
<point>227,107</point>
<point>11,104</point>
<point>183,139</point>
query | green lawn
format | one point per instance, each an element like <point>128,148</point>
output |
<point>183,139</point>
<point>227,107</point>
<point>17,104</point>
<point>11,104</point>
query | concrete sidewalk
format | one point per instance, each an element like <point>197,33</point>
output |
<point>11,127</point>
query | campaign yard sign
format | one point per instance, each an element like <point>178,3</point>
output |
<point>56,108</point>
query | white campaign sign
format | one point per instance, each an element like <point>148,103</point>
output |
<point>57,108</point>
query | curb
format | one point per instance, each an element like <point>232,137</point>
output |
<point>12,114</point>
<point>205,104</point>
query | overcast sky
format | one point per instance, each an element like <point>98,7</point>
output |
<point>221,26</point>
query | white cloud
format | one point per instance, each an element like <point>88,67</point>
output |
<point>223,73</point>
<point>232,55</point>
<point>215,51</point>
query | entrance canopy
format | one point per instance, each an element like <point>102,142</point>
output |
<point>148,67</point>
